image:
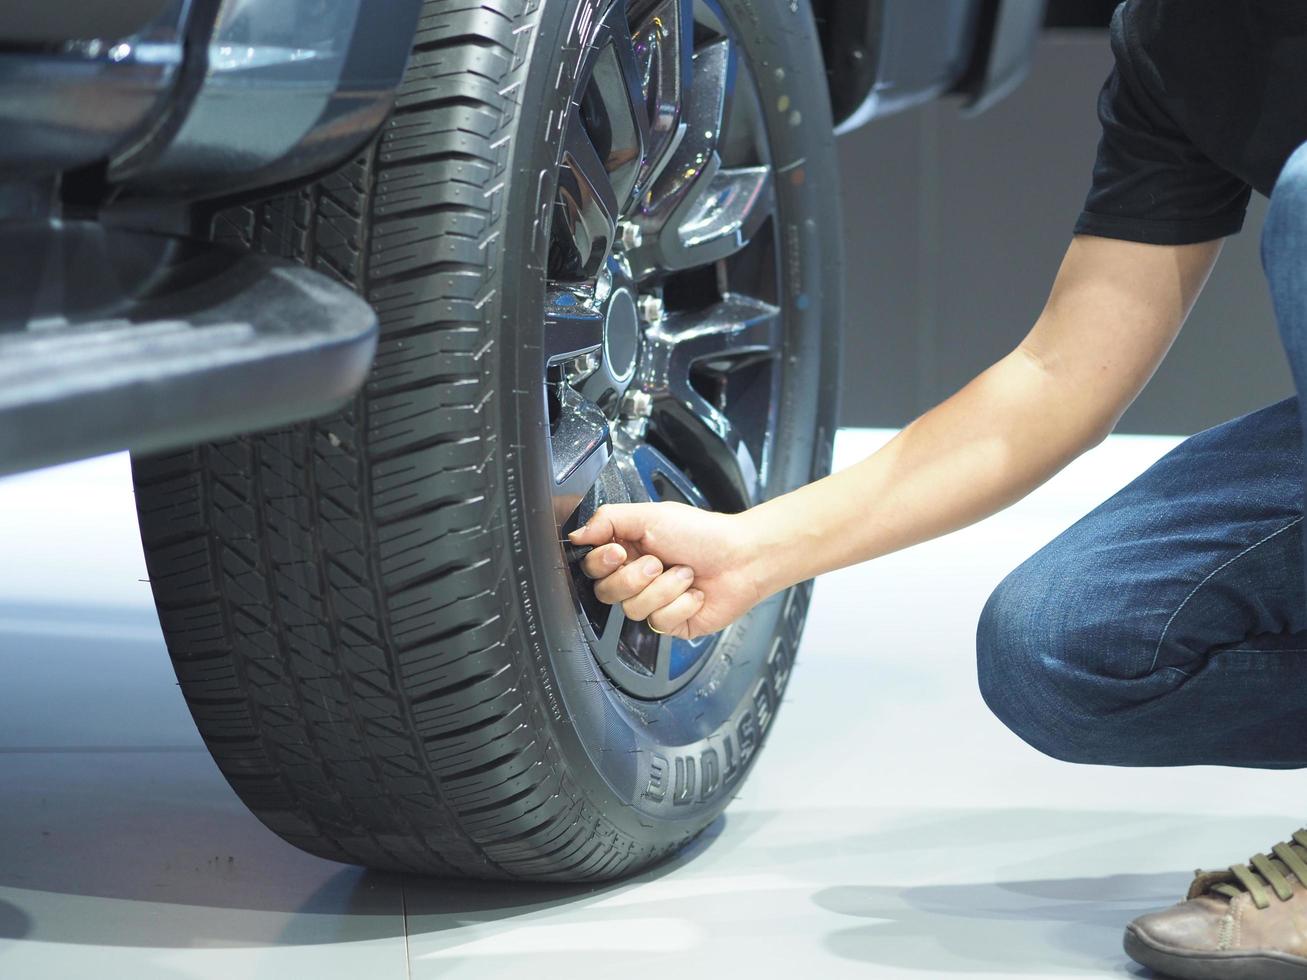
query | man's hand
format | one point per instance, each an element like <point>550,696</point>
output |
<point>689,572</point>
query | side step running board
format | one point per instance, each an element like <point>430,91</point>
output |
<point>116,340</point>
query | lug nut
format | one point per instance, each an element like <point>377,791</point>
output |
<point>637,404</point>
<point>631,235</point>
<point>651,308</point>
<point>604,283</point>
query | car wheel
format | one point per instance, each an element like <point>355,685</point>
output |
<point>603,241</point>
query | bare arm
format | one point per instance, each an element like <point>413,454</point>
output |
<point>1113,312</point>
<point>1111,316</point>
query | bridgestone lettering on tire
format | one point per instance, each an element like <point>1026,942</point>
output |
<point>370,615</point>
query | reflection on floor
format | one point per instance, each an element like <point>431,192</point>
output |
<point>892,828</point>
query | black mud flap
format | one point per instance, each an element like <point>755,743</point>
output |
<point>115,340</point>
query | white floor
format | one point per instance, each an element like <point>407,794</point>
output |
<point>893,828</point>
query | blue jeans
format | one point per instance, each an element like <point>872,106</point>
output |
<point>1168,627</point>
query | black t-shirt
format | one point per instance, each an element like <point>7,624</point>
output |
<point>1207,100</point>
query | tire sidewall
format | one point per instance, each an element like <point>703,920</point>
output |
<point>661,771</point>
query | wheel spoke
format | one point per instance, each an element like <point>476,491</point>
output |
<point>694,165</point>
<point>725,465</point>
<point>664,479</point>
<point>649,649</point>
<point>616,75</point>
<point>738,327</point>
<point>580,447</point>
<point>588,199</point>
<point>606,650</point>
<point>735,327</point>
<point>721,220</point>
<point>663,658</point>
<point>571,326</point>
<point>664,50</point>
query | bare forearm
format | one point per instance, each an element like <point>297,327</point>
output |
<point>986,447</point>
<point>1114,309</point>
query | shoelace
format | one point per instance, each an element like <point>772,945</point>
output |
<point>1289,858</point>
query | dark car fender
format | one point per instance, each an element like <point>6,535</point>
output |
<point>319,75</point>
<point>883,56</point>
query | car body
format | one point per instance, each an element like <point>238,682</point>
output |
<point>129,125</point>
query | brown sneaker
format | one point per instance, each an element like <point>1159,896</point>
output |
<point>1244,923</point>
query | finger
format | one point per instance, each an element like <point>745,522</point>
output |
<point>628,580</point>
<point>626,521</point>
<point>659,592</point>
<point>604,560</point>
<point>674,618</point>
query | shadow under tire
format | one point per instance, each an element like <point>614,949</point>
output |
<point>369,614</point>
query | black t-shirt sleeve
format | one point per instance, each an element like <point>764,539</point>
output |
<point>1150,183</point>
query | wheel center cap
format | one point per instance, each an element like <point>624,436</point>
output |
<point>621,334</point>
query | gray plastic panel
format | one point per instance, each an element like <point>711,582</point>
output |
<point>35,22</point>
<point>1016,29</point>
<point>82,101</point>
<point>923,49</point>
<point>290,88</point>
<point>112,340</point>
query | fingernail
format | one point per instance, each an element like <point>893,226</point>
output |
<point>652,567</point>
<point>614,556</point>
<point>698,594</point>
<point>685,572</point>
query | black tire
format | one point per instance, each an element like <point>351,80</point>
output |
<point>369,614</point>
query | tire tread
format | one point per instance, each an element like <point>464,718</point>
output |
<point>332,594</point>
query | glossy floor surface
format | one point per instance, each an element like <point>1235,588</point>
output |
<point>892,828</point>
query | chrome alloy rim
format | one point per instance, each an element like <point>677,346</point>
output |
<point>663,339</point>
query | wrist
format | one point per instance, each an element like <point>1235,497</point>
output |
<point>769,556</point>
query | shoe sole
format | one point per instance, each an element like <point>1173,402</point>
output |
<point>1185,965</point>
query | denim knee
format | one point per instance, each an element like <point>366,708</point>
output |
<point>1039,672</point>
<point>1291,185</point>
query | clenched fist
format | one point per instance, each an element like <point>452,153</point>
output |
<point>688,572</point>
